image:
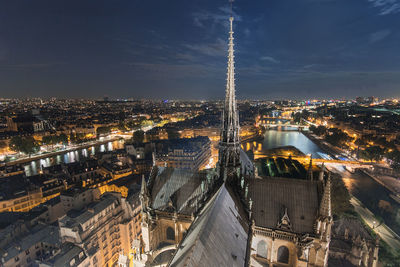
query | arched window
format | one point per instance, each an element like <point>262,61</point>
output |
<point>170,234</point>
<point>262,249</point>
<point>283,254</point>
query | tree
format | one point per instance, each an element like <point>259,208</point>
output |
<point>394,158</point>
<point>63,138</point>
<point>27,145</point>
<point>49,140</point>
<point>305,114</point>
<point>146,123</point>
<point>340,198</point>
<point>363,154</point>
<point>138,136</point>
<point>122,127</point>
<point>360,142</point>
<point>3,144</point>
<point>132,124</point>
<point>173,133</point>
<point>16,144</point>
<point>297,117</point>
<point>103,130</point>
<point>337,137</point>
<point>320,130</point>
<point>372,153</point>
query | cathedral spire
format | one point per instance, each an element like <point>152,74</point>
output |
<point>230,133</point>
<point>325,207</point>
<point>229,158</point>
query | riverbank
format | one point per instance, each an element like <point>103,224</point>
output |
<point>384,231</point>
<point>251,138</point>
<point>327,148</point>
<point>374,196</point>
<point>393,185</point>
<point>60,152</point>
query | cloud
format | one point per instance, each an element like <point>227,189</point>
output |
<point>247,32</point>
<point>310,66</point>
<point>270,59</point>
<point>30,66</point>
<point>204,18</point>
<point>255,70</point>
<point>160,71</point>
<point>379,35</point>
<point>216,49</point>
<point>386,6</point>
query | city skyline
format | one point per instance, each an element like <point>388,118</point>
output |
<point>71,49</point>
<point>122,181</point>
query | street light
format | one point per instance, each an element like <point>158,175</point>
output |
<point>373,224</point>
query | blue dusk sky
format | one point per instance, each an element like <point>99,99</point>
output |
<point>177,49</point>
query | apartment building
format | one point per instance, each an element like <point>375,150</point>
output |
<point>101,229</point>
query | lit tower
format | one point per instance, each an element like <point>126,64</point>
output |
<point>229,146</point>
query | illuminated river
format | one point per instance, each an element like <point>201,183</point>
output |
<point>285,137</point>
<point>33,167</point>
<point>373,195</point>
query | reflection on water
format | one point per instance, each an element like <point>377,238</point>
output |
<point>366,189</point>
<point>279,138</point>
<point>84,152</point>
<point>72,156</point>
<point>349,183</point>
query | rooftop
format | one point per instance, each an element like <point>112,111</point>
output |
<point>272,195</point>
<point>13,187</point>
<point>67,253</point>
<point>39,234</point>
<point>78,218</point>
<point>221,221</point>
<point>177,187</point>
<point>353,227</point>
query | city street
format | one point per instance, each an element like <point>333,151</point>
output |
<point>382,230</point>
<point>69,148</point>
<point>109,138</point>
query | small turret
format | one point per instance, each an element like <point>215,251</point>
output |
<point>144,197</point>
<point>321,173</point>
<point>153,155</point>
<point>310,171</point>
<point>325,209</point>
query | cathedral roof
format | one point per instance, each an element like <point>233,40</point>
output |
<point>218,236</point>
<point>163,258</point>
<point>177,189</point>
<point>272,196</point>
<point>246,163</point>
<point>352,226</point>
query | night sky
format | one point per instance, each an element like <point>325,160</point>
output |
<point>176,49</point>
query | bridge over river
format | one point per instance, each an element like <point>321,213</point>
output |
<point>289,124</point>
<point>306,159</point>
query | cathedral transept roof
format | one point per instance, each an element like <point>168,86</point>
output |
<point>273,196</point>
<point>177,189</point>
